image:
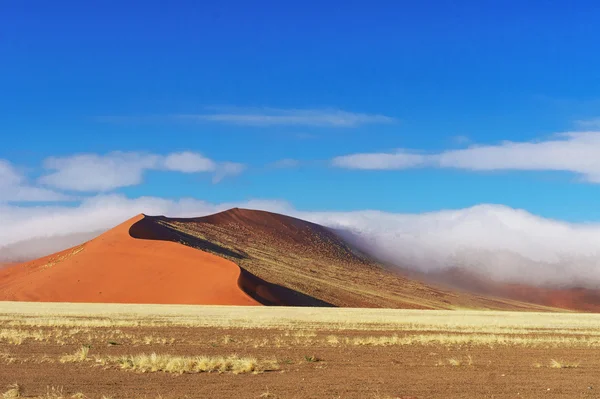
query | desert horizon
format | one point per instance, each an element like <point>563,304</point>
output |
<point>91,271</point>
<point>299,200</point>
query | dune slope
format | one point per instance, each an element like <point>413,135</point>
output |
<point>314,261</point>
<point>116,267</point>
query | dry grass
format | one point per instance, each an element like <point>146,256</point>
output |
<point>450,339</point>
<point>132,315</point>
<point>267,394</point>
<point>62,335</point>
<point>14,391</point>
<point>7,358</point>
<point>80,355</point>
<point>84,323</point>
<point>15,336</point>
<point>456,362</point>
<point>560,364</point>
<point>189,364</point>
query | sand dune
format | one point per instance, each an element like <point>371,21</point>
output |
<point>116,267</point>
<point>316,263</point>
<point>247,257</point>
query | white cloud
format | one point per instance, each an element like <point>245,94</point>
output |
<point>577,152</point>
<point>490,240</point>
<point>189,162</point>
<point>225,169</point>
<point>92,172</point>
<point>102,173</point>
<point>15,188</point>
<point>8,175</point>
<point>593,123</point>
<point>280,117</point>
<point>381,161</point>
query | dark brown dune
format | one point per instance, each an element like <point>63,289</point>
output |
<point>313,261</point>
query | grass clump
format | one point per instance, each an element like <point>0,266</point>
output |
<point>14,391</point>
<point>560,364</point>
<point>80,355</point>
<point>312,358</point>
<point>456,362</point>
<point>188,364</point>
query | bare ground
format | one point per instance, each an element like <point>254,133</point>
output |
<point>311,365</point>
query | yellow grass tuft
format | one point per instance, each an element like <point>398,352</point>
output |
<point>14,391</point>
<point>267,394</point>
<point>455,362</point>
<point>559,364</point>
<point>187,364</point>
<point>80,355</point>
<point>333,340</point>
<point>18,336</point>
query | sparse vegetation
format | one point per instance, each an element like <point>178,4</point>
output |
<point>455,362</point>
<point>311,358</point>
<point>188,364</point>
<point>560,364</point>
<point>14,391</point>
<point>267,394</point>
<point>79,356</point>
<point>416,342</point>
<point>93,316</point>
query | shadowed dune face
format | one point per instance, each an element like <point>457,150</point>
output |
<point>151,228</point>
<point>116,267</point>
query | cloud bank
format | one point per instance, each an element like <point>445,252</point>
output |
<point>490,240</point>
<point>576,152</point>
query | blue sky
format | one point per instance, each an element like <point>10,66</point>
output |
<point>239,87</point>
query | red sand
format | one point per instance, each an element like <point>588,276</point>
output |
<point>117,268</point>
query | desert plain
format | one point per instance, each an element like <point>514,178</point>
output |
<point>115,351</point>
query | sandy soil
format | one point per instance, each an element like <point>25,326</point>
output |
<point>118,268</point>
<point>340,372</point>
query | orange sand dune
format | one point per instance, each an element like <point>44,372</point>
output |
<point>118,268</point>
